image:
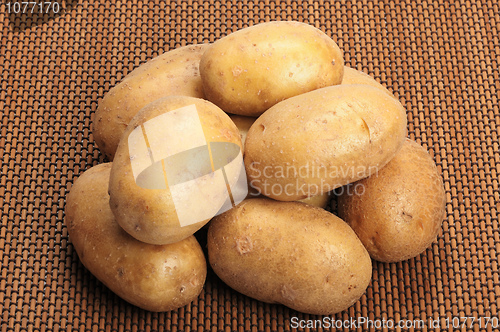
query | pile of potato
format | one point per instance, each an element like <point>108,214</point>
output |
<point>307,125</point>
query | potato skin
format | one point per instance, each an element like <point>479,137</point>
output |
<point>254,68</point>
<point>175,72</point>
<point>323,139</point>
<point>398,212</point>
<point>150,215</point>
<point>290,253</point>
<point>155,278</point>
<point>354,76</point>
<point>244,123</point>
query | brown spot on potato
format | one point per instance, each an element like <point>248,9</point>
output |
<point>288,293</point>
<point>406,216</point>
<point>244,245</point>
<point>237,70</point>
<point>70,222</point>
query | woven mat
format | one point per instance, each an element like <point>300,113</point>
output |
<point>439,57</point>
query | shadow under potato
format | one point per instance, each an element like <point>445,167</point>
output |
<point>27,14</point>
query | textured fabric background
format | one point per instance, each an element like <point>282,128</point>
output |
<point>440,58</point>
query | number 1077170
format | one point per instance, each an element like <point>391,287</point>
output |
<point>32,7</point>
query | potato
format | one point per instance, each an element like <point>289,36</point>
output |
<point>323,139</point>
<point>398,212</point>
<point>252,69</point>
<point>353,76</point>
<point>163,186</point>
<point>244,123</point>
<point>155,278</point>
<point>290,253</point>
<point>175,72</point>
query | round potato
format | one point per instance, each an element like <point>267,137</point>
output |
<point>155,278</point>
<point>163,186</point>
<point>398,212</point>
<point>318,141</point>
<point>254,68</point>
<point>175,72</point>
<point>290,253</point>
<point>353,76</point>
<point>244,123</point>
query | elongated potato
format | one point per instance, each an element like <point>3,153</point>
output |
<point>354,76</point>
<point>254,68</point>
<point>163,187</point>
<point>175,72</point>
<point>244,123</point>
<point>155,278</point>
<point>290,253</point>
<point>398,212</point>
<point>323,139</point>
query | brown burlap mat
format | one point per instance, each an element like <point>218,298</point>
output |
<point>439,57</point>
